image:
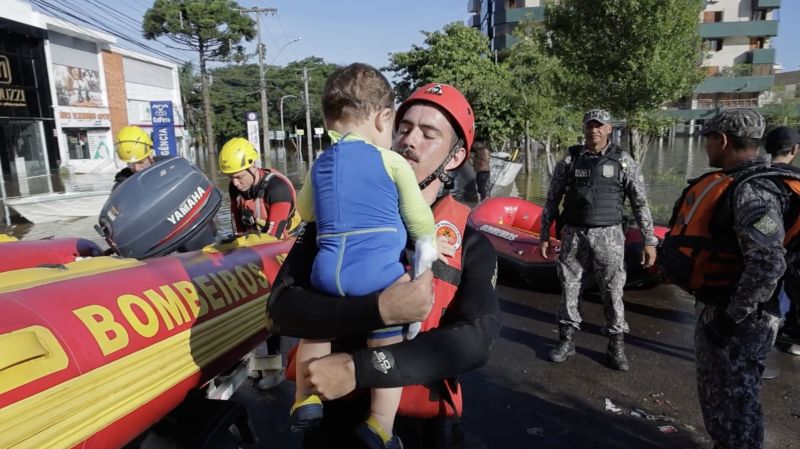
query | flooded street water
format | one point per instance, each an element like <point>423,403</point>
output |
<point>667,166</point>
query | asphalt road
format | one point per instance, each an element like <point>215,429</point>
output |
<point>521,400</point>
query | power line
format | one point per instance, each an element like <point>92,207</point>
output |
<point>46,6</point>
<point>286,35</point>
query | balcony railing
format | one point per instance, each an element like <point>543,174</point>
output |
<point>728,104</point>
<point>754,28</point>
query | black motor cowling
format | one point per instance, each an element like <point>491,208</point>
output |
<point>167,207</point>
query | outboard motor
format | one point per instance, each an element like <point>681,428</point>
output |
<point>167,207</point>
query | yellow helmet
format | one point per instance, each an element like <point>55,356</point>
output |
<point>236,155</point>
<point>133,144</point>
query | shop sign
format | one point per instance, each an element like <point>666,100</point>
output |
<point>99,145</point>
<point>84,117</point>
<point>11,94</point>
<point>163,128</point>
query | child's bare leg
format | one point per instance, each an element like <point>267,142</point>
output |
<point>385,401</point>
<point>307,350</point>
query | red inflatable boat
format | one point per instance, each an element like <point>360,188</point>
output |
<point>96,351</point>
<point>15,255</point>
<point>513,225</point>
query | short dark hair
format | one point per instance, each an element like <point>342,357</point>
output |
<point>743,143</point>
<point>355,91</point>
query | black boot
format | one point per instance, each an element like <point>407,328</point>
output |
<point>566,344</point>
<point>616,352</point>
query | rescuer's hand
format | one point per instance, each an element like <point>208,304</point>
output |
<point>406,302</point>
<point>544,245</point>
<point>332,376</point>
<point>648,256</point>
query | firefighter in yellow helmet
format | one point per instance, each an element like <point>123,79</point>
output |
<point>135,148</point>
<point>262,200</point>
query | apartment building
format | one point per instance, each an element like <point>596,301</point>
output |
<point>737,40</point>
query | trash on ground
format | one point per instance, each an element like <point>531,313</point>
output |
<point>667,429</point>
<point>611,407</point>
<point>536,431</point>
<point>639,413</point>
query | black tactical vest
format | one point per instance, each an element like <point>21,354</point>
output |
<point>595,192</point>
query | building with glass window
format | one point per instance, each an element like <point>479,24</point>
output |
<point>65,91</point>
<point>737,39</point>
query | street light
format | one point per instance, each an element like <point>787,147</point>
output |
<point>284,46</point>
<point>282,128</point>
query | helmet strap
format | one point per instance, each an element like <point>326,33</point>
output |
<point>440,172</point>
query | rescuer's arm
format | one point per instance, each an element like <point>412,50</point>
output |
<point>633,182</point>
<point>464,338</point>
<point>279,204</point>
<point>296,309</point>
<point>236,214</point>
<point>758,224</point>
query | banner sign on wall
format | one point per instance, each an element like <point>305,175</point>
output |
<point>163,128</point>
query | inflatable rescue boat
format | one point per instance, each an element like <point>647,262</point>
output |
<point>95,351</point>
<point>513,225</point>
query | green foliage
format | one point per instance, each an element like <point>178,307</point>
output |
<point>537,80</point>
<point>627,56</point>
<point>191,99</point>
<point>235,91</point>
<point>213,28</point>
<point>782,110</point>
<point>741,69</point>
<point>460,55</point>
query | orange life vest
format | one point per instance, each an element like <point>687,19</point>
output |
<point>442,398</point>
<point>257,207</point>
<point>700,252</point>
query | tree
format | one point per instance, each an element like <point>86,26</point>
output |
<point>783,109</point>
<point>212,28</point>
<point>460,56</point>
<point>628,57</point>
<point>191,100</point>
<point>234,93</point>
<point>545,111</point>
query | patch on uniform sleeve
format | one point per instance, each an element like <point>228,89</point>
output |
<point>448,230</point>
<point>766,225</point>
<point>382,360</point>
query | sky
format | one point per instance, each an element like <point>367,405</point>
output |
<point>787,43</point>
<point>346,31</point>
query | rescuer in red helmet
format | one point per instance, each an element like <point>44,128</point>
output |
<point>434,131</point>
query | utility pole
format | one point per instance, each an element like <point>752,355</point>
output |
<point>308,119</point>
<point>262,75</point>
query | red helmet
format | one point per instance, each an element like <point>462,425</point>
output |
<point>451,100</point>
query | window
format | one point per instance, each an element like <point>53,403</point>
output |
<point>712,16</point>
<point>712,44</point>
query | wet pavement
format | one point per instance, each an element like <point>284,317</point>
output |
<point>522,400</point>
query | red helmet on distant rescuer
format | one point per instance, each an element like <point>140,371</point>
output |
<point>459,111</point>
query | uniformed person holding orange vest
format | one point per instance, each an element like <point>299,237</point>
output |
<point>728,236</point>
<point>434,131</point>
